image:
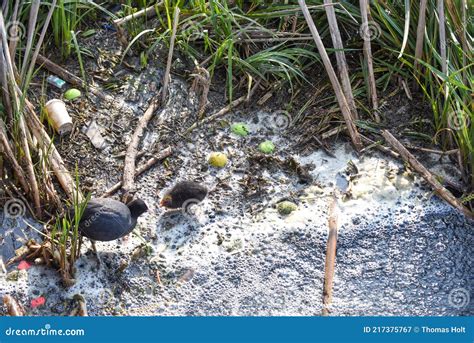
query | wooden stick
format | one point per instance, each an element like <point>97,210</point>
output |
<point>225,109</point>
<point>14,309</point>
<point>437,186</point>
<point>166,80</point>
<point>442,37</point>
<point>330,261</point>
<point>147,12</point>
<point>140,170</point>
<point>30,170</point>
<point>346,112</point>
<point>340,57</point>
<point>420,33</point>
<point>132,150</point>
<point>7,150</point>
<point>364,9</point>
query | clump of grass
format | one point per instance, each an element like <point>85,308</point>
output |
<point>65,238</point>
<point>221,36</point>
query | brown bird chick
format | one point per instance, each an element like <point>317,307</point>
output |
<point>183,193</point>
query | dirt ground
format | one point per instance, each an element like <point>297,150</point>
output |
<point>401,251</point>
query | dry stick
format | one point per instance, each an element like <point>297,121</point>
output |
<point>57,164</point>
<point>35,4</point>
<point>14,309</point>
<point>438,187</point>
<point>148,12</point>
<point>330,256</point>
<point>225,109</point>
<point>140,170</point>
<point>379,146</point>
<point>166,80</point>
<point>7,150</point>
<point>346,112</point>
<point>13,19</point>
<point>30,170</point>
<point>71,78</point>
<point>132,150</point>
<point>420,34</point>
<point>465,46</point>
<point>442,37</point>
<point>39,43</point>
<point>341,58</point>
<point>364,9</point>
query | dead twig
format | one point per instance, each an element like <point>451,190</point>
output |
<point>132,150</point>
<point>147,12</point>
<point>166,80</point>
<point>425,173</point>
<point>200,86</point>
<point>346,112</point>
<point>148,164</point>
<point>364,11</point>
<point>340,57</point>
<point>330,255</point>
<point>420,34</point>
<point>14,309</point>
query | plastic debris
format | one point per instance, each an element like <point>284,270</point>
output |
<point>24,265</point>
<point>56,81</point>
<point>59,116</point>
<point>96,138</point>
<point>38,302</point>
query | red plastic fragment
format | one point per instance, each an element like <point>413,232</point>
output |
<point>23,265</point>
<point>38,302</point>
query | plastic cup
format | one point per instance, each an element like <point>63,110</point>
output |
<point>58,116</point>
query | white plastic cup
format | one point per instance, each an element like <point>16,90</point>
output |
<point>58,116</point>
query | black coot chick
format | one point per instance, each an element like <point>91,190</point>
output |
<point>106,219</point>
<point>182,193</point>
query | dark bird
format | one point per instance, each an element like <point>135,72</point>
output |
<point>106,219</point>
<point>182,193</point>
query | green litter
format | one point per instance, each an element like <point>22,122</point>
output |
<point>267,147</point>
<point>240,129</point>
<point>72,94</point>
